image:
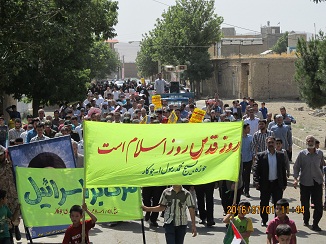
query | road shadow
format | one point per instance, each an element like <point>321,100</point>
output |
<point>132,226</point>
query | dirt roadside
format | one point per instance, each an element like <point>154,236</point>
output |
<point>309,121</point>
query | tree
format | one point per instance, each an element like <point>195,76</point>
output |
<point>102,61</point>
<point>311,70</point>
<point>183,36</point>
<point>47,46</point>
<point>281,44</point>
<point>145,61</point>
<point>318,1</point>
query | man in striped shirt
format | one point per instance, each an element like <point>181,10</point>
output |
<point>16,131</point>
<point>259,138</point>
<point>175,201</point>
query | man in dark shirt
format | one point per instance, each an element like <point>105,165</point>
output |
<point>14,114</point>
<point>3,132</point>
<point>309,165</point>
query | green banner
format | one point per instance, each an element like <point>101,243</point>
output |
<point>46,196</point>
<point>161,154</point>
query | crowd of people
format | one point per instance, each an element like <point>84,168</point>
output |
<point>266,153</point>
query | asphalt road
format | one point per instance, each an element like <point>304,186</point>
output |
<point>131,233</point>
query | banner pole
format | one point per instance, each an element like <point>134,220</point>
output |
<point>143,230</point>
<point>28,235</point>
<point>235,192</point>
<point>240,172</point>
<point>84,192</point>
<point>84,217</point>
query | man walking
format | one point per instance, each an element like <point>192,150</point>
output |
<point>309,165</point>
<point>269,177</point>
<point>175,201</point>
<point>259,138</point>
<point>283,132</point>
<point>246,157</point>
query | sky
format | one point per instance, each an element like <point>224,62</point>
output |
<point>137,17</point>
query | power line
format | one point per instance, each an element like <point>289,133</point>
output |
<point>161,3</point>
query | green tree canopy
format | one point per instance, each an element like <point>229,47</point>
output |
<point>311,70</point>
<point>281,44</point>
<point>145,61</point>
<point>47,45</point>
<point>183,36</point>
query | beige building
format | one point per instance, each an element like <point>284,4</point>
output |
<point>252,44</point>
<point>267,77</point>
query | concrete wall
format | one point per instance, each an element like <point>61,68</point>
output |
<point>260,78</point>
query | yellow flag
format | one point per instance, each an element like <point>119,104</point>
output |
<point>156,100</point>
<point>197,116</point>
<point>173,118</point>
<point>144,120</point>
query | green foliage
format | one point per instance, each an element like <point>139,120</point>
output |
<point>47,46</point>
<point>146,64</point>
<point>102,61</point>
<point>281,44</point>
<point>183,36</point>
<point>311,70</point>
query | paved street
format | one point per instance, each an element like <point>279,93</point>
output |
<point>130,232</point>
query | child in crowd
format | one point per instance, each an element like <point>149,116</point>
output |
<point>282,208</point>
<point>241,222</point>
<point>283,234</point>
<point>6,214</point>
<point>279,145</point>
<point>73,233</point>
<point>263,110</point>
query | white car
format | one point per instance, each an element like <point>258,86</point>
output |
<point>119,83</point>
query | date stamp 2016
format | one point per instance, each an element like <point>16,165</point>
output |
<point>256,209</point>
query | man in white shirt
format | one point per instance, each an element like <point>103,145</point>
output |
<point>252,121</point>
<point>40,133</point>
<point>159,84</point>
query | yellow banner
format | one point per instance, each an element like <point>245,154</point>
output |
<point>156,100</point>
<point>160,154</point>
<point>197,116</point>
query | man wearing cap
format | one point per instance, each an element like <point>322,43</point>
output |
<point>7,183</point>
<point>16,131</point>
<point>229,116</point>
<point>40,133</point>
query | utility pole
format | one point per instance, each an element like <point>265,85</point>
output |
<point>123,68</point>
